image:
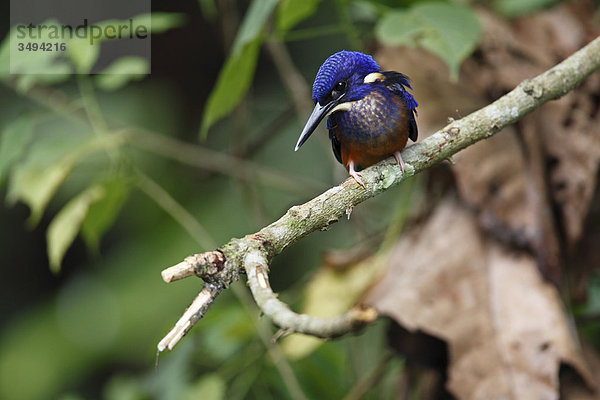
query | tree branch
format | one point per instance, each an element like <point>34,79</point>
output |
<point>252,253</point>
<point>279,313</point>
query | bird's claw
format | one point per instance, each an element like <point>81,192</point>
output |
<point>355,175</point>
<point>399,160</point>
<point>357,178</point>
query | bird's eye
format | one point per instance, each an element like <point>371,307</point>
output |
<point>338,90</point>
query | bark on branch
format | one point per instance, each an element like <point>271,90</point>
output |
<point>252,254</point>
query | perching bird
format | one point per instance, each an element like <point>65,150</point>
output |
<point>370,113</point>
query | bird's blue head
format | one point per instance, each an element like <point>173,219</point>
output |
<point>337,82</point>
<point>344,68</point>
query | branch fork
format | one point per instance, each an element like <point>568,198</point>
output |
<point>220,268</point>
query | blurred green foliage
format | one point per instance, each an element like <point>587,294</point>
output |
<point>448,30</point>
<point>87,156</point>
<point>515,8</point>
<point>291,12</point>
<point>238,71</point>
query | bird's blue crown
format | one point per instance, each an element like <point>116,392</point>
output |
<point>351,66</point>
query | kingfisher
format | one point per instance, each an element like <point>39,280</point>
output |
<point>370,113</point>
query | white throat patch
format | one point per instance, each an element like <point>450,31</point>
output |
<point>341,107</point>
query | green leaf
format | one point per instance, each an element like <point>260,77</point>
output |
<point>365,11</point>
<point>33,62</point>
<point>163,21</point>
<point>398,28</point>
<point>449,31</point>
<point>453,32</point>
<point>515,8</point>
<point>121,71</point>
<point>31,67</point>
<point>292,12</point>
<point>159,22</point>
<point>13,143</point>
<point>83,54</point>
<point>35,184</point>
<point>233,82</point>
<point>209,9</point>
<point>65,225</point>
<point>156,22</point>
<point>237,73</point>
<point>253,24</point>
<point>102,213</point>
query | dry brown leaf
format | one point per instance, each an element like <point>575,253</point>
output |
<point>571,135</point>
<point>505,327</point>
<point>531,186</point>
<point>568,130</point>
<point>490,176</point>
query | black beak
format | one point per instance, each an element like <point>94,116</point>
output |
<point>316,116</point>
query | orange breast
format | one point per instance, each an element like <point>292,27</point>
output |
<point>365,156</point>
